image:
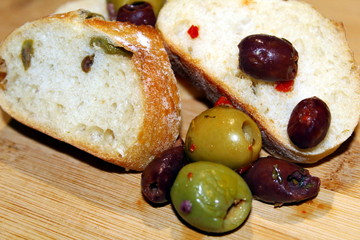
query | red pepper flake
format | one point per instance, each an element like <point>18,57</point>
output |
<point>243,170</point>
<point>193,31</point>
<point>223,101</point>
<point>250,147</point>
<point>190,175</point>
<point>284,86</point>
<point>192,147</point>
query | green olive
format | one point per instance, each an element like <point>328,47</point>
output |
<point>27,52</point>
<point>211,197</point>
<point>156,4</point>
<point>109,48</point>
<point>224,135</point>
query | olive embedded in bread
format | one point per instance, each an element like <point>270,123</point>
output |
<point>27,51</point>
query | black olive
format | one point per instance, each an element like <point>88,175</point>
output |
<point>278,181</point>
<point>268,58</point>
<point>309,123</point>
<point>160,174</point>
<point>138,13</point>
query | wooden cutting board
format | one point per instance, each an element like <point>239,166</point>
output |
<point>50,190</point>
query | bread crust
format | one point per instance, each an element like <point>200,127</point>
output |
<point>161,101</point>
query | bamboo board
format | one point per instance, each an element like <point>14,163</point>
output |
<point>50,190</point>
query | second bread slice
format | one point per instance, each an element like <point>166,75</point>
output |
<point>104,87</point>
<point>210,58</point>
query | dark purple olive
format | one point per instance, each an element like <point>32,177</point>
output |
<point>278,181</point>
<point>309,123</point>
<point>160,174</point>
<point>268,58</point>
<point>138,13</point>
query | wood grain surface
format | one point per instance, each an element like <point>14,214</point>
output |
<point>50,190</point>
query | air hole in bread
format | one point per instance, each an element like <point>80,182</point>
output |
<point>60,108</point>
<point>80,128</point>
<point>109,136</point>
<point>130,110</point>
<point>34,88</point>
<point>190,49</point>
<point>95,133</point>
<point>114,106</point>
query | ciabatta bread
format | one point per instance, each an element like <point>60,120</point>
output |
<point>326,66</point>
<point>104,87</point>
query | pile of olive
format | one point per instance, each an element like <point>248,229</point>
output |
<point>199,177</point>
<point>212,178</point>
<point>136,12</point>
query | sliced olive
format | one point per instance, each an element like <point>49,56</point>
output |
<point>109,48</point>
<point>27,52</point>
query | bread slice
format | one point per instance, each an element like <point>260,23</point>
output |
<point>118,102</point>
<point>326,66</point>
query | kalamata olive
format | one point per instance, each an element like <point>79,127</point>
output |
<point>278,181</point>
<point>159,175</point>
<point>268,58</point>
<point>87,62</point>
<point>309,123</point>
<point>114,5</point>
<point>224,135</point>
<point>211,197</point>
<point>138,13</point>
